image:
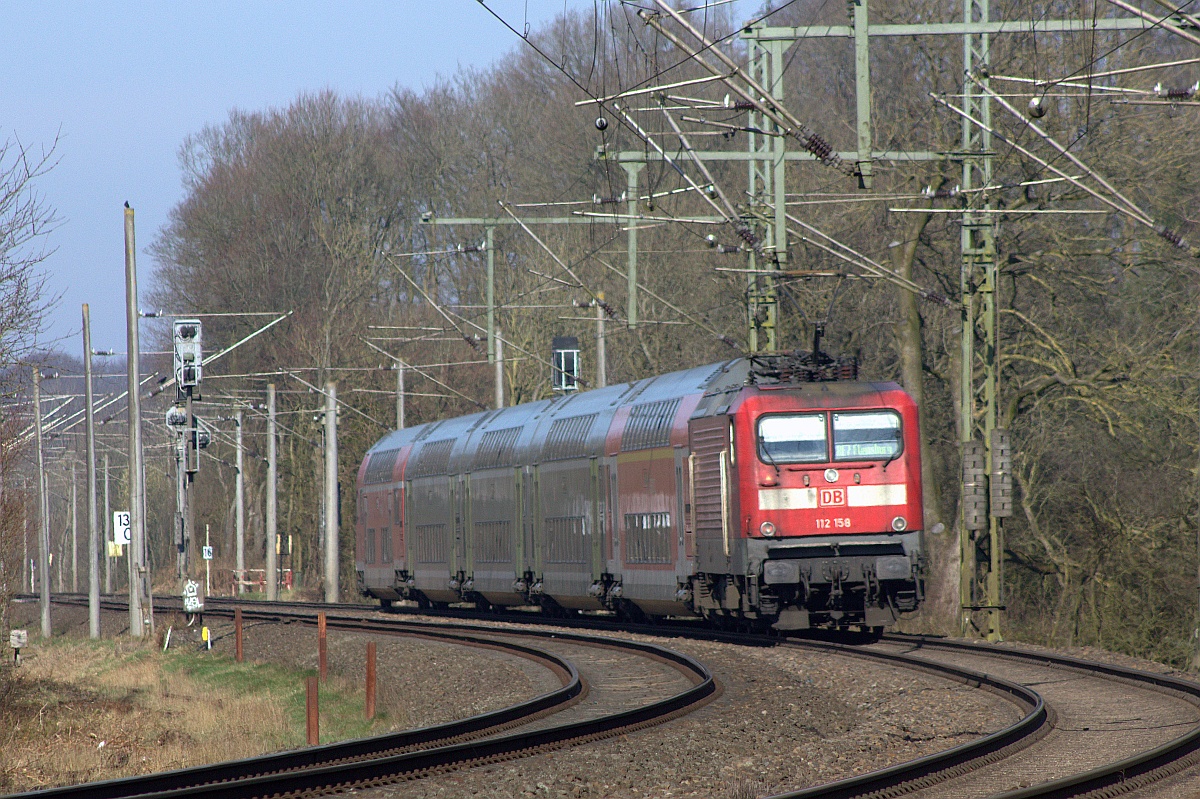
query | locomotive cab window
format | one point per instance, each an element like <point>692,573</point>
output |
<point>866,436</point>
<point>787,438</point>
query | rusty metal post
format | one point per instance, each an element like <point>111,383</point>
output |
<point>237,633</point>
<point>370,680</point>
<point>322,664</point>
<point>312,716</point>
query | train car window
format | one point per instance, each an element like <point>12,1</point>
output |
<point>866,436</point>
<point>379,467</point>
<point>789,438</point>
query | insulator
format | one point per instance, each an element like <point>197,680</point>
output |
<point>601,123</point>
<point>1173,237</point>
<point>711,240</point>
<point>747,235</point>
<point>1036,109</point>
<point>598,200</point>
<point>817,146</point>
<point>1183,93</point>
<point>941,193</point>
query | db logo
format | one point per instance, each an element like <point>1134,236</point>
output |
<point>831,497</point>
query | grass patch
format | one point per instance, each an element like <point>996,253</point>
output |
<point>80,710</point>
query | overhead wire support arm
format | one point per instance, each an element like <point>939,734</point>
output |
<point>1128,207</point>
<point>423,374</point>
<point>809,139</point>
<point>1135,214</point>
<point>1167,23</point>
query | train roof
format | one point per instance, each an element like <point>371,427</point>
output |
<point>576,425</point>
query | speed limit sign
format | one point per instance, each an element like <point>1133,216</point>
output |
<point>121,526</point>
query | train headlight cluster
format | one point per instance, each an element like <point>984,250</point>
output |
<point>899,524</point>
<point>767,529</point>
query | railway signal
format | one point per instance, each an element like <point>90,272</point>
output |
<point>565,360</point>
<point>189,357</point>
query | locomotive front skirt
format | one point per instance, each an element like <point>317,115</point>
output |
<point>715,492</point>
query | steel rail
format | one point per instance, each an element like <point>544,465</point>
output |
<point>573,688</point>
<point>940,766</point>
<point>1129,774</point>
<point>1119,777</point>
<point>375,760</point>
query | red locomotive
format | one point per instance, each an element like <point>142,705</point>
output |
<point>755,492</point>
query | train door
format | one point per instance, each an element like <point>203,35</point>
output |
<point>614,538</point>
<point>520,522</point>
<point>596,528</point>
<point>715,510</point>
<point>535,527</point>
<point>458,501</point>
<point>683,552</point>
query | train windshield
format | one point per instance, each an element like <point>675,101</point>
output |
<point>866,436</point>
<point>792,439</point>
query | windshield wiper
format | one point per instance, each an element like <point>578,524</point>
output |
<point>896,454</point>
<point>770,458</point>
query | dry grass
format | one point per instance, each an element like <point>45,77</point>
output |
<point>79,711</point>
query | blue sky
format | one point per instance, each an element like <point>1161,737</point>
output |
<point>121,85</point>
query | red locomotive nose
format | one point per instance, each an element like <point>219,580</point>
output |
<point>842,465</point>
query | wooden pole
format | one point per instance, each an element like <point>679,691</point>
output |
<point>311,712</point>
<point>237,633</point>
<point>322,664</point>
<point>370,680</point>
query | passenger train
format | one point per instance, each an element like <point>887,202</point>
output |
<point>758,492</point>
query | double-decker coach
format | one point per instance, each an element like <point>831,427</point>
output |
<point>755,492</point>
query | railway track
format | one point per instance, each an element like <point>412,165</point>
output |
<point>477,740</point>
<point>1066,743</point>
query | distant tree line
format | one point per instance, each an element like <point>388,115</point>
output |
<point>317,208</point>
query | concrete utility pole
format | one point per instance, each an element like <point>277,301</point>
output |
<point>632,170</point>
<point>601,350</point>
<point>331,494</point>
<point>399,366</point>
<point>240,508</point>
<point>272,500</point>
<point>107,532</point>
<point>138,576</point>
<point>181,502</point>
<point>489,232</point>
<point>74,530</point>
<point>499,371</point>
<point>43,514</point>
<point>93,531</point>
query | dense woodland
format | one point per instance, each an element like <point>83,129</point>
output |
<point>316,208</point>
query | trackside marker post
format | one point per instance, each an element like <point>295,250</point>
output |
<point>237,633</point>
<point>311,712</point>
<point>322,665</point>
<point>370,680</point>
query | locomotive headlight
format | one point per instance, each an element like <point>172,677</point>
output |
<point>899,524</point>
<point>831,475</point>
<point>767,529</point>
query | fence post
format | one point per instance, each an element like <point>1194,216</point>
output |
<point>322,665</point>
<point>311,712</point>
<point>370,680</point>
<point>237,633</point>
